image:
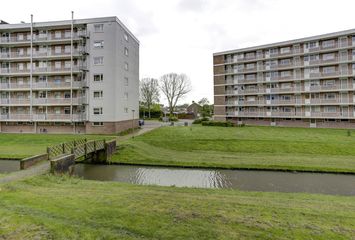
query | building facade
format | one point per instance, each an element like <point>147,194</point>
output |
<point>307,82</point>
<point>75,76</point>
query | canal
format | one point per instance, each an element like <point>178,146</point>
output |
<point>7,166</point>
<point>247,180</point>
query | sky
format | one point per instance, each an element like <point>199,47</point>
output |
<point>182,35</point>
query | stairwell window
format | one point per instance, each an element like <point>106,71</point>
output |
<point>98,60</point>
<point>126,51</point>
<point>98,111</point>
<point>98,27</point>
<point>126,66</point>
<point>125,36</point>
<point>98,77</point>
<point>99,44</point>
<point>126,81</point>
<point>126,95</point>
<point>98,94</point>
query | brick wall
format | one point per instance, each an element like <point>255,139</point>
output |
<point>219,80</point>
<point>218,59</point>
<point>110,127</point>
<point>219,110</point>
<point>219,100</point>
<point>218,69</point>
<point>219,90</point>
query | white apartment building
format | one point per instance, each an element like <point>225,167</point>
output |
<point>74,76</point>
<point>308,82</point>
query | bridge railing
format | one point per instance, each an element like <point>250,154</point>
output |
<point>79,148</point>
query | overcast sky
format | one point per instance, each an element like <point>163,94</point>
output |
<point>181,35</point>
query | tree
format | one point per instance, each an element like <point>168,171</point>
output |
<point>174,86</point>
<point>203,101</point>
<point>149,92</point>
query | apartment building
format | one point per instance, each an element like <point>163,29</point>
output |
<point>74,76</point>
<point>308,82</point>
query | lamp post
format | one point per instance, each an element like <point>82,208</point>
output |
<point>133,122</point>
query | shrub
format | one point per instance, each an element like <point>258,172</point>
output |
<point>200,120</point>
<point>173,119</point>
<point>218,123</point>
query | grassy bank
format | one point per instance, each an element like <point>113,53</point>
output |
<point>24,145</point>
<point>51,207</point>
<point>329,150</point>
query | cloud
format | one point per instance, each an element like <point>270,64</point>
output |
<point>192,5</point>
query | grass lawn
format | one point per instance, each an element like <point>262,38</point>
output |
<point>330,150</point>
<point>50,207</point>
<point>24,145</point>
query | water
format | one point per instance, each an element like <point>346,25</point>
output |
<point>7,166</point>
<point>270,181</point>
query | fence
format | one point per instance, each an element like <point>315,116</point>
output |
<point>79,148</point>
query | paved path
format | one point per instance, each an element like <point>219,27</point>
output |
<point>38,169</point>
<point>147,127</point>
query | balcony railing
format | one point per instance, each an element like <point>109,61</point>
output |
<point>41,117</point>
<point>45,37</point>
<point>41,70</point>
<point>54,101</point>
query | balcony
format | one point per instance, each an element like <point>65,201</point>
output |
<point>58,117</point>
<point>44,37</point>
<point>16,117</point>
<point>40,70</point>
<point>15,101</point>
<point>57,101</point>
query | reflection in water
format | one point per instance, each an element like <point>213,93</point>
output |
<point>7,166</point>
<point>235,179</point>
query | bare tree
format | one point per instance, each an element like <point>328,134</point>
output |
<point>149,92</point>
<point>174,86</point>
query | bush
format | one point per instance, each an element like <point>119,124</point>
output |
<point>173,119</point>
<point>218,123</point>
<point>200,120</point>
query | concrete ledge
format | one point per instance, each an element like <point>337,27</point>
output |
<point>30,161</point>
<point>63,164</point>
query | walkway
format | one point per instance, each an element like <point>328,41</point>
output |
<point>38,169</point>
<point>147,127</point>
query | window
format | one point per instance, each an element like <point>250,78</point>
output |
<point>314,70</point>
<point>58,65</point>
<point>97,124</point>
<point>285,61</point>
<point>330,109</point>
<point>328,69</point>
<point>98,111</point>
<point>98,27</point>
<point>58,49</point>
<point>328,43</point>
<point>67,95</point>
<point>274,51</point>
<point>125,110</point>
<point>313,44</point>
<point>329,82</point>
<point>67,49</point>
<point>98,77</point>
<point>126,51</point>
<point>250,66</point>
<point>328,56</point>
<point>285,73</point>
<point>67,64</point>
<point>314,57</point>
<point>126,95</point>
<point>285,50</point>
<point>57,34</point>
<point>99,44</point>
<point>125,36</point>
<point>67,34</point>
<point>126,81</point>
<point>20,37</point>
<point>98,94</point>
<point>98,60</point>
<point>126,66</point>
<point>329,96</point>
<point>250,76</point>
<point>67,110</point>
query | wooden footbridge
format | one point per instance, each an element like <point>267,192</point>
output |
<point>81,149</point>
